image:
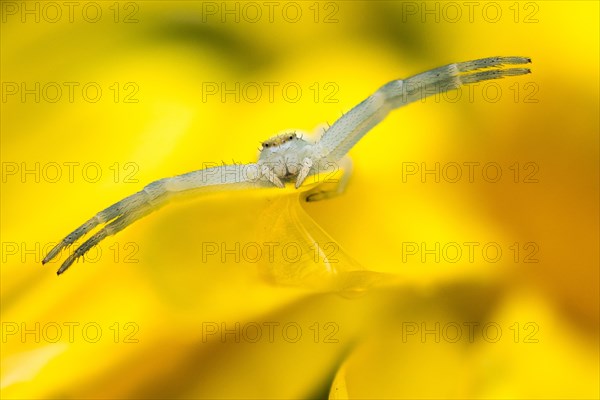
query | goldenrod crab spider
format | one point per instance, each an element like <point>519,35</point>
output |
<point>287,157</point>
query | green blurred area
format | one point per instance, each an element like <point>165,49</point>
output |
<point>156,297</point>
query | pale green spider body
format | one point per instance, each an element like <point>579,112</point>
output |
<point>287,157</point>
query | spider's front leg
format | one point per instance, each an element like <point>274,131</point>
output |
<point>116,217</point>
<point>123,213</point>
<point>269,173</point>
<point>305,166</point>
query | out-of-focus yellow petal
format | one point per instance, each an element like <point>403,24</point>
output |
<point>519,349</point>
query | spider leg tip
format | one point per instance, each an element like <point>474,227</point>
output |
<point>48,258</point>
<point>64,267</point>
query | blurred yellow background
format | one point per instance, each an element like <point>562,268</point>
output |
<point>446,286</point>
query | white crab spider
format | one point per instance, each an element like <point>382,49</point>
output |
<point>288,158</point>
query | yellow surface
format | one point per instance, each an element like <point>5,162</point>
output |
<point>165,309</point>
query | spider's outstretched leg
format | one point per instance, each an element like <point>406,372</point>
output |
<point>450,77</point>
<point>123,213</point>
<point>352,126</point>
<point>117,217</point>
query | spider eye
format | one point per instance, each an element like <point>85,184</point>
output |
<point>291,137</point>
<point>265,145</point>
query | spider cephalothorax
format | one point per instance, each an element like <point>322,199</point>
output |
<point>284,157</point>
